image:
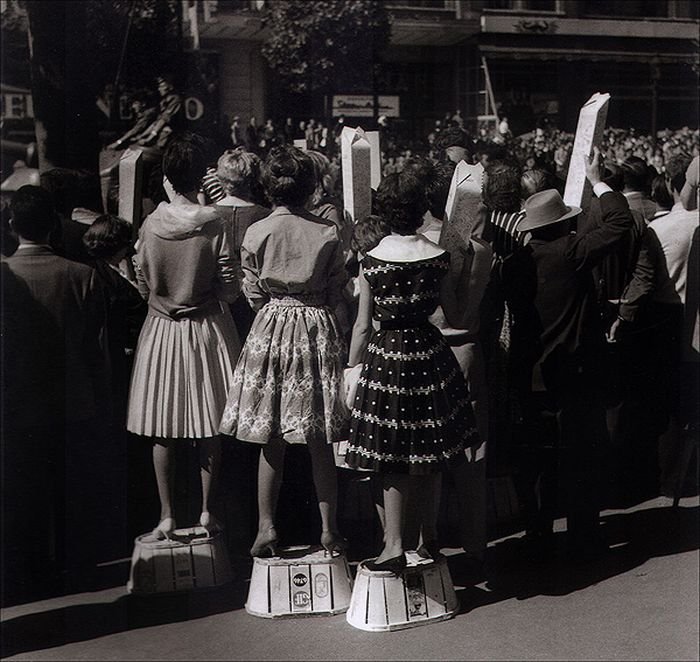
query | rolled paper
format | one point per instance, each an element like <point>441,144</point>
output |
<point>589,132</point>
<point>462,208</point>
<point>375,155</point>
<point>356,164</point>
<point>130,182</point>
<point>300,143</point>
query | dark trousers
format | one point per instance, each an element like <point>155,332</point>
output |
<point>561,453</point>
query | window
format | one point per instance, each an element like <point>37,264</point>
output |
<point>522,5</point>
<point>631,8</point>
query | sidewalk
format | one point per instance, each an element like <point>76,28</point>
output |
<point>638,603</point>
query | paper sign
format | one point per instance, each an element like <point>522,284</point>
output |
<point>375,159</point>
<point>300,144</point>
<point>462,208</point>
<point>589,132</point>
<point>130,180</point>
<point>356,164</point>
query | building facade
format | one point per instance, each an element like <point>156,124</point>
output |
<point>529,60</point>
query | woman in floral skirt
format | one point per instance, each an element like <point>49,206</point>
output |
<point>287,383</point>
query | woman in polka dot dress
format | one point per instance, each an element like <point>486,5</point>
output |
<point>411,417</point>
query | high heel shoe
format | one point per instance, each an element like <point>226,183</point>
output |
<point>333,543</point>
<point>165,529</point>
<point>395,565</point>
<point>429,550</point>
<point>265,545</point>
<point>209,523</point>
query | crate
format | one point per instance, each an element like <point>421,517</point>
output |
<point>301,581</point>
<point>190,560</point>
<point>422,594</point>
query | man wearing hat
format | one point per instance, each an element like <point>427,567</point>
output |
<point>169,116</point>
<point>559,347</point>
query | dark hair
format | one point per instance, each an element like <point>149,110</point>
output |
<point>502,191</point>
<point>613,177</point>
<point>494,151</point>
<point>401,201</point>
<point>676,167</point>
<point>635,174</point>
<point>368,232</point>
<point>454,137</point>
<point>660,194</point>
<point>288,176</point>
<point>535,180</point>
<point>185,162</point>
<point>107,236</point>
<point>437,187</point>
<point>33,214</point>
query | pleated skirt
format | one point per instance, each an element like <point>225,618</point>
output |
<point>183,370</point>
<point>287,383</point>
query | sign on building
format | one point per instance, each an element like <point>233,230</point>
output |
<point>362,105</point>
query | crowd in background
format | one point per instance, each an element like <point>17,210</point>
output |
<point>232,233</point>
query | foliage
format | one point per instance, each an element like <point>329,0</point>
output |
<point>327,44</point>
<point>15,47</point>
<point>152,44</point>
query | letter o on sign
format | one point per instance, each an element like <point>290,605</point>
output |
<point>194,108</point>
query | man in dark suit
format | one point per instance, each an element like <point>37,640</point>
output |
<point>559,342</point>
<point>55,389</point>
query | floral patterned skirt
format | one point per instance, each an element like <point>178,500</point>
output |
<point>287,383</point>
<point>412,412</point>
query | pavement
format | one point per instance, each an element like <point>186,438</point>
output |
<point>640,601</point>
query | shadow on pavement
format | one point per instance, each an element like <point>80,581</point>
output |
<point>84,622</point>
<point>514,571</point>
<point>510,572</point>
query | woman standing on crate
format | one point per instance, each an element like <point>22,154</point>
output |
<point>287,384</point>
<point>411,417</point>
<point>186,268</point>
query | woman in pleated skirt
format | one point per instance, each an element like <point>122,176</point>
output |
<point>188,271</point>
<point>287,383</point>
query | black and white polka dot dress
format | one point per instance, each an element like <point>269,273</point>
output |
<point>412,412</point>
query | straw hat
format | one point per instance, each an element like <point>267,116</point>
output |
<point>545,208</point>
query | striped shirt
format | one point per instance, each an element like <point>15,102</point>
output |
<point>211,187</point>
<point>506,239</point>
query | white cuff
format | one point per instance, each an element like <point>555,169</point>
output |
<point>600,188</point>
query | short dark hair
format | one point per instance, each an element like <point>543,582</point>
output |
<point>535,180</point>
<point>453,136</point>
<point>107,236</point>
<point>614,177</point>
<point>368,232</point>
<point>675,170</point>
<point>33,214</point>
<point>437,187</point>
<point>502,191</point>
<point>401,201</point>
<point>660,194</point>
<point>288,176</point>
<point>636,174</point>
<point>185,163</point>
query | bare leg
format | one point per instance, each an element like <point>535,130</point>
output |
<point>396,488</point>
<point>164,465</point>
<point>428,493</point>
<point>209,463</point>
<point>270,472</point>
<point>326,484</point>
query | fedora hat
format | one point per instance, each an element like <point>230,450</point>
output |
<point>545,208</point>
